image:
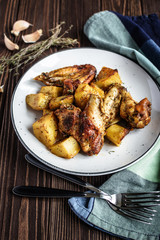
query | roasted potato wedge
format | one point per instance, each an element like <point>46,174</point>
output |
<point>38,101</point>
<point>115,133</point>
<point>56,102</point>
<point>66,148</point>
<point>52,91</point>
<point>46,130</point>
<point>46,111</point>
<point>83,93</point>
<point>106,77</point>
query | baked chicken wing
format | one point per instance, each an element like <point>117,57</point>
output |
<point>137,114</point>
<point>118,101</point>
<point>92,127</point>
<point>68,77</point>
<point>111,104</point>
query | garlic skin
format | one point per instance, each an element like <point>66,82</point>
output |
<point>9,44</point>
<point>19,26</point>
<point>32,37</point>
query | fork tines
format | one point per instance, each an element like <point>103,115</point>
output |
<point>141,215</point>
<point>146,199</point>
<point>154,193</point>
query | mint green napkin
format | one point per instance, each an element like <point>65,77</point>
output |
<point>139,39</point>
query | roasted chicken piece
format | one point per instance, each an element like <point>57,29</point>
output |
<point>137,114</point>
<point>68,77</point>
<point>92,127</point>
<point>111,104</point>
<point>118,101</point>
<point>68,120</point>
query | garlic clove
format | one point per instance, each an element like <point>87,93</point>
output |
<point>32,37</point>
<point>9,44</point>
<point>19,26</point>
<point>2,89</point>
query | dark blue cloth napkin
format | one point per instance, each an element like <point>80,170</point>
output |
<point>145,30</point>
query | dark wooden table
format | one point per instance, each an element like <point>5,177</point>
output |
<point>45,218</point>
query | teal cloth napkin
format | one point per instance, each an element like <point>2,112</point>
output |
<point>137,38</point>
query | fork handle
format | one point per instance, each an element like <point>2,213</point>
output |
<point>32,160</point>
<point>33,191</point>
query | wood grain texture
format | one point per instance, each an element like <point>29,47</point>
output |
<point>46,219</point>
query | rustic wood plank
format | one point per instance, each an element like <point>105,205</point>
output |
<point>151,7</point>
<point>45,218</point>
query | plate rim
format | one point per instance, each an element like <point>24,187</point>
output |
<point>70,171</point>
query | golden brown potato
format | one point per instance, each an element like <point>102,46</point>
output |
<point>46,130</point>
<point>52,91</point>
<point>38,101</point>
<point>106,77</point>
<point>83,93</point>
<point>56,102</point>
<point>46,111</point>
<point>66,148</point>
<point>115,133</point>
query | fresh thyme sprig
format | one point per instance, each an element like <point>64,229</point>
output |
<point>33,51</point>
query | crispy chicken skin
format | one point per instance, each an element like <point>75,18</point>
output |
<point>111,103</point>
<point>68,77</point>
<point>137,114</point>
<point>92,127</point>
<point>68,120</point>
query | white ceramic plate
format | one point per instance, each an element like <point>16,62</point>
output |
<point>111,158</point>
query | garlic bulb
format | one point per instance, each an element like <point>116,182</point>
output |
<point>9,44</point>
<point>19,26</point>
<point>32,37</point>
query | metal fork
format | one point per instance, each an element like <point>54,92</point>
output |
<point>144,215</point>
<point>122,203</point>
<point>123,200</point>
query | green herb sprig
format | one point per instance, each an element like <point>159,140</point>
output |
<point>33,51</point>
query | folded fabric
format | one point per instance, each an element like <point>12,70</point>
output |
<point>133,37</point>
<point>139,39</point>
<point>97,213</point>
